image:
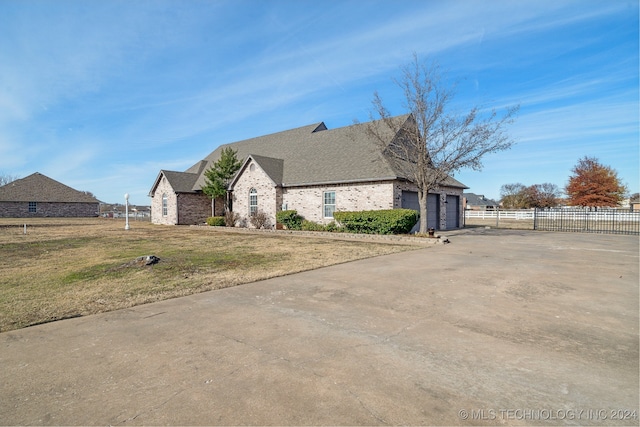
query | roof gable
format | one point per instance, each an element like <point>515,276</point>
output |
<point>40,188</point>
<point>272,167</point>
<point>314,154</point>
<point>181,182</point>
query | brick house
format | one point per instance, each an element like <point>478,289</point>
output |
<point>40,196</point>
<point>478,202</point>
<point>311,169</point>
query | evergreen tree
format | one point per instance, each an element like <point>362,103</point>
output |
<point>219,175</point>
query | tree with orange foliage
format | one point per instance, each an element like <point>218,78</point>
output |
<point>593,184</point>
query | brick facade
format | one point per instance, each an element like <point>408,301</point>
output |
<point>308,201</point>
<point>193,208</point>
<point>157,214</point>
<point>182,208</point>
<point>267,192</point>
<point>48,209</point>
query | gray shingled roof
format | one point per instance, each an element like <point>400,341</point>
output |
<point>40,188</point>
<point>313,154</point>
<point>181,182</point>
<point>272,167</point>
<point>479,200</point>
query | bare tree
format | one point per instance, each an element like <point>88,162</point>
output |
<point>513,196</point>
<point>6,179</point>
<point>517,196</point>
<point>437,141</point>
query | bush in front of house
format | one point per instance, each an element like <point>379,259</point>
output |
<point>230,219</point>
<point>216,221</point>
<point>289,219</point>
<point>259,220</point>
<point>390,221</point>
<point>311,226</point>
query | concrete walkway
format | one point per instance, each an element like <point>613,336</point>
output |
<point>498,327</point>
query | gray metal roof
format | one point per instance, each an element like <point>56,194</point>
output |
<point>40,188</point>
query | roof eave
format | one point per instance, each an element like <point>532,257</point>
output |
<point>345,181</point>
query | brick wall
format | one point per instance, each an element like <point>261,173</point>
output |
<point>308,201</point>
<point>193,208</point>
<point>182,208</point>
<point>268,195</point>
<point>157,217</point>
<point>48,209</point>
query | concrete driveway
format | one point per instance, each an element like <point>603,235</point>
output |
<point>498,327</point>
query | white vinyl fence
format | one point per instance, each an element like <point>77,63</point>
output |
<point>600,220</point>
<point>501,214</point>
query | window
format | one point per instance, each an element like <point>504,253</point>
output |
<point>329,203</point>
<point>253,201</point>
<point>165,202</point>
<point>33,207</point>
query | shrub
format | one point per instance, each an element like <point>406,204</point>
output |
<point>311,226</point>
<point>332,227</point>
<point>230,219</point>
<point>290,219</point>
<point>391,221</point>
<point>259,220</point>
<point>218,221</point>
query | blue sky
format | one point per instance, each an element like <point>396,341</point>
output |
<point>101,95</point>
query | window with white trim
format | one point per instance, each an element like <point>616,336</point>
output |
<point>328,203</point>
<point>165,202</point>
<point>33,207</point>
<point>253,201</point>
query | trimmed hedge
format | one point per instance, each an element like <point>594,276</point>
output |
<point>217,221</point>
<point>289,219</point>
<point>390,221</point>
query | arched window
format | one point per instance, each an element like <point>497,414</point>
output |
<point>165,202</point>
<point>253,201</point>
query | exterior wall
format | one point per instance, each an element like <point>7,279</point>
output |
<point>443,192</point>
<point>308,201</point>
<point>268,194</point>
<point>193,208</point>
<point>48,209</point>
<point>218,207</point>
<point>172,204</point>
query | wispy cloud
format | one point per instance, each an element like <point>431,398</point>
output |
<point>150,85</point>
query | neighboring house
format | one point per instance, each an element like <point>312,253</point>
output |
<point>311,169</point>
<point>118,210</point>
<point>40,196</point>
<point>477,202</point>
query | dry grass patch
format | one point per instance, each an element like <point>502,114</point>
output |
<point>64,268</point>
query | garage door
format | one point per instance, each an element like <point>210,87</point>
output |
<point>433,211</point>
<point>453,212</point>
<point>410,201</point>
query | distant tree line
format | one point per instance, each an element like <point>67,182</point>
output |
<point>518,196</point>
<point>591,184</point>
